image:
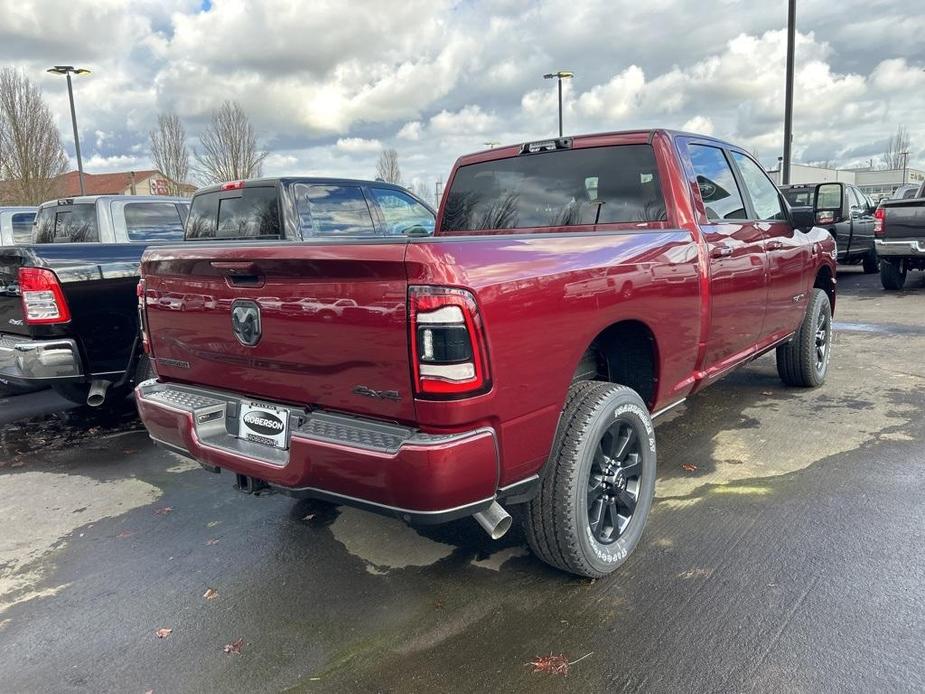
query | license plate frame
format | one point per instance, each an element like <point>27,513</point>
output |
<point>265,424</point>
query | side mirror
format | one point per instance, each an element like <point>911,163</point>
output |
<point>803,218</point>
<point>829,203</point>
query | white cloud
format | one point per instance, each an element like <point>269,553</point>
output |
<point>327,84</point>
<point>356,145</point>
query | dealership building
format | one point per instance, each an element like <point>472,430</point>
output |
<point>876,183</point>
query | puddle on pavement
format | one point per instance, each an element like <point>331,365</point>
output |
<point>62,431</point>
<point>56,506</point>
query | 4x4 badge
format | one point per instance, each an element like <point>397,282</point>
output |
<point>245,322</point>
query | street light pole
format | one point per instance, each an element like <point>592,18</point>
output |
<point>559,75</point>
<point>788,95</point>
<point>905,156</point>
<point>66,70</point>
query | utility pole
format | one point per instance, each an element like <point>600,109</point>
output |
<point>905,156</point>
<point>66,70</point>
<point>559,75</point>
<point>788,96</point>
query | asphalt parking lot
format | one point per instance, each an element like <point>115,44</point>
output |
<point>785,555</point>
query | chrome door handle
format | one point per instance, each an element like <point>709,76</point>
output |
<point>720,252</point>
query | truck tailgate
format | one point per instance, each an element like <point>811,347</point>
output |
<point>11,318</point>
<point>332,330</point>
<point>904,219</point>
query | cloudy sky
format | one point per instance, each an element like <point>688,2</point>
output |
<point>328,83</point>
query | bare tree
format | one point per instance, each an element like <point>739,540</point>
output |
<point>169,150</point>
<point>228,147</point>
<point>420,189</point>
<point>897,149</point>
<point>31,156</point>
<point>387,167</point>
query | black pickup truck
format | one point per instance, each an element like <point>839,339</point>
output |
<point>899,232</point>
<point>68,305</point>
<point>846,213</point>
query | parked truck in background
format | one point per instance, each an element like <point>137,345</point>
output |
<point>68,310</point>
<point>900,238</point>
<point>846,213</point>
<point>573,290</point>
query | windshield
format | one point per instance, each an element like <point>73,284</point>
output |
<point>245,213</point>
<point>553,189</point>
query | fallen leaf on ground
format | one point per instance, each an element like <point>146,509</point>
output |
<point>210,594</point>
<point>212,524</point>
<point>234,646</point>
<point>766,392</point>
<point>163,511</point>
<point>551,664</point>
<point>213,541</point>
<point>309,517</point>
<point>125,533</point>
<point>689,467</point>
<point>163,632</point>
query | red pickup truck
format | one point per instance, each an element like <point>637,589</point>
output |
<point>572,290</point>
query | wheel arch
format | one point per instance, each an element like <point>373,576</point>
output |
<point>625,352</point>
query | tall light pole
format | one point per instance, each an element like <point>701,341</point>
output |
<point>905,156</point>
<point>559,75</point>
<point>66,70</point>
<point>788,94</point>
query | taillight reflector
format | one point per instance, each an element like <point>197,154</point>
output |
<point>880,222</point>
<point>449,355</point>
<point>232,185</point>
<point>42,296</point>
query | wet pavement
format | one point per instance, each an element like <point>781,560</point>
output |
<point>790,558</point>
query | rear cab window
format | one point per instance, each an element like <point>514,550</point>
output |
<point>237,214</point>
<point>69,223</point>
<point>402,214</point>
<point>800,197</point>
<point>153,221</point>
<point>561,188</point>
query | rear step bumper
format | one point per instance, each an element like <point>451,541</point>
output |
<point>910,247</point>
<point>386,468</point>
<point>28,362</point>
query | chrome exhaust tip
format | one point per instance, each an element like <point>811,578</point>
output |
<point>494,520</point>
<point>97,394</point>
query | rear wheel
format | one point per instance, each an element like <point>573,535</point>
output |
<point>892,274</point>
<point>804,361</point>
<point>598,486</point>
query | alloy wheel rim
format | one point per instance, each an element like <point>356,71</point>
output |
<point>822,340</point>
<point>614,482</point>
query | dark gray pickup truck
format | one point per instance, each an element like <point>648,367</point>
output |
<point>899,236</point>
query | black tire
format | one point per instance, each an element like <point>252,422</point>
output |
<point>579,481</point>
<point>892,274</point>
<point>870,263</point>
<point>804,361</point>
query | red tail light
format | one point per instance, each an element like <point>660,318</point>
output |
<point>42,296</point>
<point>880,222</point>
<point>449,356</point>
<point>232,185</point>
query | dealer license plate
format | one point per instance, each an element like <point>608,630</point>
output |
<point>262,423</point>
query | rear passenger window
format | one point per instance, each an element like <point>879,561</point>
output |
<point>593,185</point>
<point>330,210</point>
<point>67,224</point>
<point>402,213</point>
<point>153,221</point>
<point>764,195</point>
<point>22,227</point>
<point>718,188</point>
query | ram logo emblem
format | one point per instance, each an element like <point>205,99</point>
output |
<point>245,322</point>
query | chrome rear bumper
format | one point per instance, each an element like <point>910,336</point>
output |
<point>26,361</point>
